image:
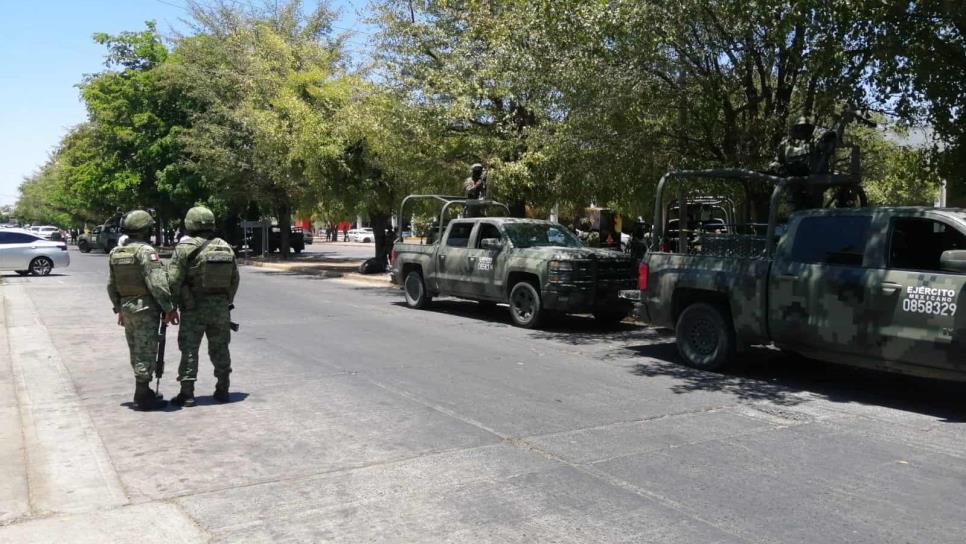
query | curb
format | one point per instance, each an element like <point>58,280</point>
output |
<point>345,273</point>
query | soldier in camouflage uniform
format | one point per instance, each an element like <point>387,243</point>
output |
<point>138,287</point>
<point>204,279</point>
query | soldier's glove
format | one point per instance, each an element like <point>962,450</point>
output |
<point>172,317</point>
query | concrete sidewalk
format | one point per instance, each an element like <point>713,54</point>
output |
<point>57,480</point>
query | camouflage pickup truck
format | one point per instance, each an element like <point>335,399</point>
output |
<point>103,237</point>
<point>535,266</point>
<point>875,287</point>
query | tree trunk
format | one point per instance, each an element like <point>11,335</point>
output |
<point>284,227</point>
<point>159,230</point>
<point>380,222</point>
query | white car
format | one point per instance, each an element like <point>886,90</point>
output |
<point>363,235</point>
<point>44,231</point>
<point>27,253</point>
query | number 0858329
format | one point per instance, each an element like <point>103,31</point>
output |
<point>929,307</point>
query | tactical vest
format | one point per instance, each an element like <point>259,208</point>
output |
<point>213,268</point>
<point>128,278</point>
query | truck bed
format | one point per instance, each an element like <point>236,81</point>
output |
<point>693,276</point>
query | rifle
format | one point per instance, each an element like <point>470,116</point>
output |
<point>231,324</point>
<point>159,364</point>
<point>483,188</point>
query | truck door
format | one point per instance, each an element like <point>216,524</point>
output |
<point>451,257</point>
<point>817,299</point>
<point>918,307</point>
<point>483,265</point>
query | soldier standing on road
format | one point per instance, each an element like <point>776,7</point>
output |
<point>138,287</point>
<point>204,280</point>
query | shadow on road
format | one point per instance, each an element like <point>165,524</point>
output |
<point>571,329</point>
<point>765,374</point>
<point>200,400</point>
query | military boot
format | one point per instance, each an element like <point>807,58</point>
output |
<point>221,389</point>
<point>145,399</point>
<point>187,395</point>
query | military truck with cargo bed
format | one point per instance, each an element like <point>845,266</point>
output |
<point>535,266</point>
<point>881,288</point>
<point>103,237</point>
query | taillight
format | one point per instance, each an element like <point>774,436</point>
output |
<point>392,257</point>
<point>642,271</point>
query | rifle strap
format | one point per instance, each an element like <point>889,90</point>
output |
<point>198,250</point>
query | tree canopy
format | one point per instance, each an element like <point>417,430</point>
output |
<point>566,102</point>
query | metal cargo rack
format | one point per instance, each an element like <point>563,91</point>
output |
<point>448,201</point>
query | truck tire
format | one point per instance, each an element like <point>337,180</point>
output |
<point>525,305</point>
<point>705,336</point>
<point>415,289</point>
<point>83,246</point>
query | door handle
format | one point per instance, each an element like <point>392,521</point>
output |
<point>471,258</point>
<point>788,276</point>
<point>889,288</point>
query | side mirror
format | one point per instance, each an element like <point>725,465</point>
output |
<point>953,260</point>
<point>491,243</point>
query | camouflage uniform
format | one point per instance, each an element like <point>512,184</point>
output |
<point>204,309</point>
<point>138,288</point>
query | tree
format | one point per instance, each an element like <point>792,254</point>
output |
<point>921,70</point>
<point>265,84</point>
<point>135,118</point>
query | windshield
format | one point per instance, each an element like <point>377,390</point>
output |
<point>525,235</point>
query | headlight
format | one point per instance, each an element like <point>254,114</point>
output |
<point>560,271</point>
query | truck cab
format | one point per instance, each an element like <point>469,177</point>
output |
<point>879,286</point>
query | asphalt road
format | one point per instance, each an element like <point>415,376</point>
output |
<point>356,419</point>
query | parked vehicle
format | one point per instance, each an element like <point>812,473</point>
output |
<point>27,253</point>
<point>44,231</point>
<point>883,288</point>
<point>535,266</point>
<point>103,237</point>
<point>363,235</point>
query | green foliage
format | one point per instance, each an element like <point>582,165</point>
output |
<point>566,102</point>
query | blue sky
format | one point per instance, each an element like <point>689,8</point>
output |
<point>46,50</point>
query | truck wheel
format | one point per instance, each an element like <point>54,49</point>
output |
<point>83,246</point>
<point>705,336</point>
<point>525,306</point>
<point>415,288</point>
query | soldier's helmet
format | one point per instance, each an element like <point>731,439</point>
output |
<point>199,219</point>
<point>136,221</point>
<point>803,128</point>
<point>476,171</point>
